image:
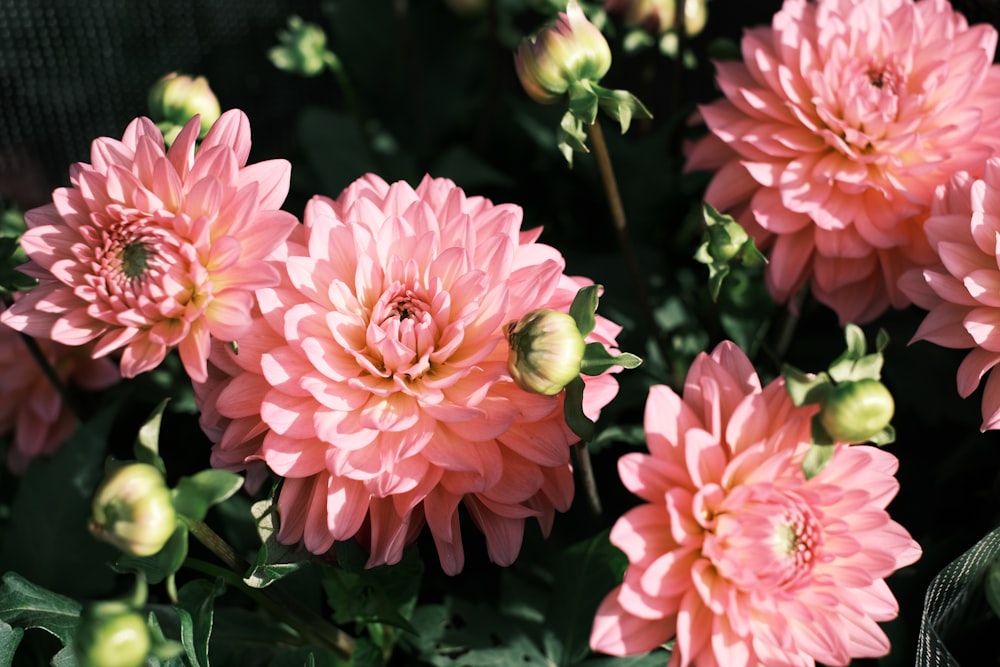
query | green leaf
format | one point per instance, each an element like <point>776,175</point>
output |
<point>584,306</point>
<point>816,459</point>
<point>597,359</point>
<point>385,594</point>
<point>366,654</point>
<point>991,585</point>
<point>25,605</point>
<point>196,611</point>
<point>147,443</point>
<point>46,538</point>
<point>66,657</point>
<point>10,638</point>
<point>578,422</point>
<point>274,559</point>
<point>571,614</point>
<point>196,494</point>
<point>162,564</point>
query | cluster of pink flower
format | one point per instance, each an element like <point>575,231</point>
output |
<point>361,355</point>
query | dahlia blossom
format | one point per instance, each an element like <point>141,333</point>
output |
<point>374,378</point>
<point>961,290</point>
<point>153,249</point>
<point>32,412</point>
<point>734,551</point>
<point>834,132</point>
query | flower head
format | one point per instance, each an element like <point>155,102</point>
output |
<point>733,550</point>
<point>151,250</point>
<point>570,50</point>
<point>374,378</point>
<point>834,132</point>
<point>959,291</point>
<point>32,411</point>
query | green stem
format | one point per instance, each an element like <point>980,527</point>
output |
<point>312,626</point>
<point>354,104</point>
<point>586,470</point>
<point>610,184</point>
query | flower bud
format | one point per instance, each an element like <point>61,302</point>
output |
<point>546,349</point>
<point>855,411</point>
<point>133,510</point>
<point>302,50</point>
<point>111,639</point>
<point>659,16</point>
<point>568,51</point>
<point>177,98</point>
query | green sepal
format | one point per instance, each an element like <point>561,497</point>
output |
<point>855,363</point>
<point>194,495</point>
<point>597,359</point>
<point>584,306</point>
<point>572,137</point>
<point>583,101</point>
<point>816,459</point>
<point>147,443</point>
<point>578,422</point>
<point>803,388</point>
<point>621,105</point>
<point>886,436</point>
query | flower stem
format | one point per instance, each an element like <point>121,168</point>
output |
<point>312,626</point>
<point>586,470</point>
<point>50,374</point>
<point>610,184</point>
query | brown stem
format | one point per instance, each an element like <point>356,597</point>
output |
<point>606,170</point>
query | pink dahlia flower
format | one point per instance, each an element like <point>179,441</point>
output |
<point>734,552</point>
<point>834,132</point>
<point>32,413</point>
<point>151,249</point>
<point>961,290</point>
<point>374,377</point>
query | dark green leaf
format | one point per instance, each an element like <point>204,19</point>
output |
<point>162,564</point>
<point>366,654</point>
<point>10,637</point>
<point>578,422</point>
<point>25,605</point>
<point>571,615</point>
<point>584,306</point>
<point>66,657</point>
<point>274,559</point>
<point>46,539</point>
<point>196,612</point>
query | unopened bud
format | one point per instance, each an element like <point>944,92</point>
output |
<point>546,350</point>
<point>177,98</point>
<point>111,639</point>
<point>855,411</point>
<point>566,52</point>
<point>302,49</point>
<point>660,16</point>
<point>133,510</point>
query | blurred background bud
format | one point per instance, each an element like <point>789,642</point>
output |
<point>302,48</point>
<point>133,510</point>
<point>111,635</point>
<point>177,98</point>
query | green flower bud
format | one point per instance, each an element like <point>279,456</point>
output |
<point>112,639</point>
<point>855,411</point>
<point>302,49</point>
<point>177,98</point>
<point>566,52</point>
<point>133,510</point>
<point>659,16</point>
<point>546,350</point>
